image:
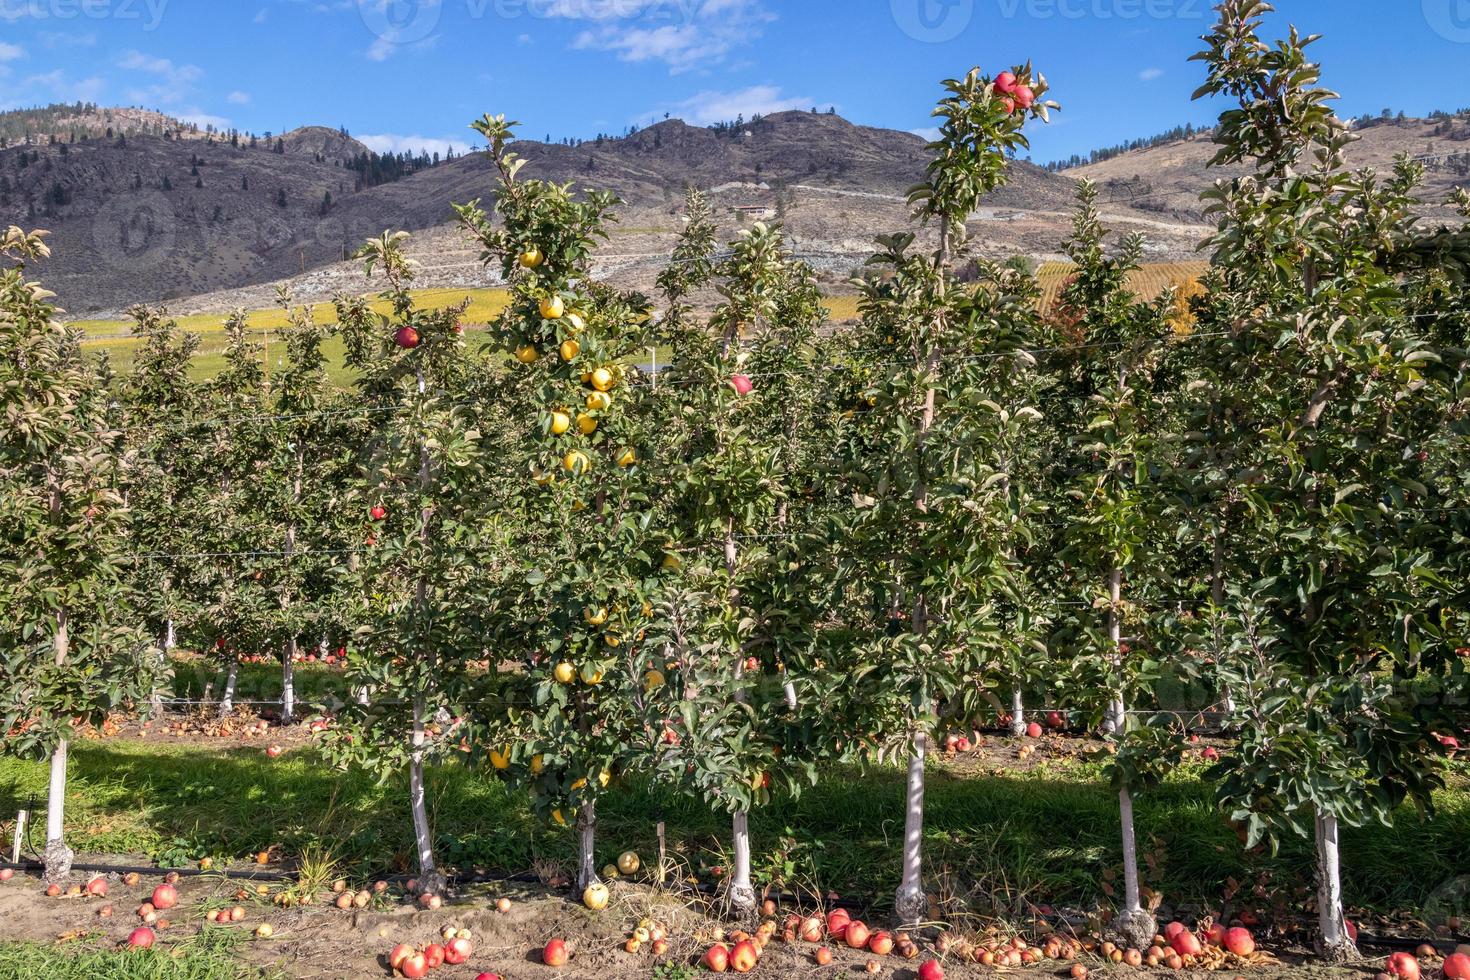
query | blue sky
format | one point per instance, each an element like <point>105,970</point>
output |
<point>413,73</point>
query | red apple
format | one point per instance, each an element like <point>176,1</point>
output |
<point>880,943</point>
<point>1173,929</point>
<point>488,976</point>
<point>717,958</point>
<point>823,956</point>
<point>458,951</point>
<point>837,921</point>
<point>555,953</point>
<point>52,891</point>
<point>741,384</point>
<point>141,938</point>
<point>1005,82</point>
<point>931,970</point>
<point>811,929</point>
<point>1055,721</point>
<point>6,874</point>
<point>434,955</point>
<point>1210,754</point>
<point>165,897</point>
<point>1185,943</point>
<point>415,966</point>
<point>1008,104</point>
<point>1240,941</point>
<point>400,953</point>
<point>1457,967</point>
<point>1214,935</point>
<point>407,338</point>
<point>97,887</point>
<point>1024,96</point>
<point>377,513</point>
<point>1352,930</point>
<point>1403,965</point>
<point>274,751</point>
<point>744,956</point>
<point>857,934</point>
<point>1033,730</point>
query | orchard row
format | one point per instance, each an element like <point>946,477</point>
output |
<point>795,546</point>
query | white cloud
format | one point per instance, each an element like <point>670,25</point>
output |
<point>710,107</point>
<point>394,143</point>
<point>60,88</point>
<point>204,119</point>
<point>1150,74</point>
<point>238,98</point>
<point>11,52</point>
<point>930,133</point>
<point>683,36</point>
<point>175,74</point>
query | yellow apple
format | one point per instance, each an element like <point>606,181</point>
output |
<point>672,562</point>
<point>653,680</point>
<point>531,258</point>
<point>603,778</point>
<point>558,816</point>
<point>628,862</point>
<point>598,401</point>
<point>586,424</point>
<point>594,615</point>
<point>627,458</point>
<point>611,639</point>
<point>602,379</point>
<point>561,422</point>
<point>537,764</point>
<point>570,349</point>
<point>552,308</point>
<point>565,672</point>
<point>527,354</point>
<point>575,323</point>
<point>576,462</point>
<point>596,896</point>
<point>591,675</point>
<point>500,758</point>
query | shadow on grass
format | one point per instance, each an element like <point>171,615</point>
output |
<point>1043,837</point>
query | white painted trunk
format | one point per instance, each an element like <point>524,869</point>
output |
<point>1336,945</point>
<point>56,794</point>
<point>790,690</point>
<point>288,684</point>
<point>742,892</point>
<point>429,878</point>
<point>227,703</point>
<point>1117,717</point>
<point>362,696</point>
<point>587,845</point>
<point>1018,712</point>
<point>909,903</point>
<point>1131,893</point>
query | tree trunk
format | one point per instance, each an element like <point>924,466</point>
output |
<point>58,855</point>
<point>1136,925</point>
<point>288,684</point>
<point>1117,717</point>
<point>1334,944</point>
<point>430,880</point>
<point>227,704</point>
<point>586,846</point>
<point>909,903</point>
<point>742,892</point>
<point>1018,711</point>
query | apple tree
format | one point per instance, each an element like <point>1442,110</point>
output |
<point>921,532</point>
<point>580,603</point>
<point>72,649</point>
<point>1318,336</point>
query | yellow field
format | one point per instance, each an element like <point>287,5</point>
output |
<point>1147,283</point>
<point>111,335</point>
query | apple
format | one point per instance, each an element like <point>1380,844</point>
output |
<point>1024,96</point>
<point>1210,754</point>
<point>1033,730</point>
<point>274,751</point>
<point>1185,943</point>
<point>407,338</point>
<point>488,976</point>
<point>531,258</point>
<point>377,513</point>
<point>837,922</point>
<point>1240,941</point>
<point>1214,935</point>
<point>1457,967</point>
<point>430,901</point>
<point>931,970</point>
<point>880,943</point>
<point>744,956</point>
<point>628,862</point>
<point>414,966</point>
<point>1005,82</point>
<point>6,874</point>
<point>1173,929</point>
<point>596,896</point>
<point>823,956</point>
<point>1055,721</point>
<point>141,938</point>
<point>569,350</point>
<point>1352,929</point>
<point>434,955</point>
<point>717,958</point>
<point>97,887</point>
<point>1403,965</point>
<point>264,930</point>
<point>502,905</point>
<point>400,953</point>
<point>856,935</point>
<point>52,891</point>
<point>527,354</point>
<point>165,897</point>
<point>458,951</point>
<point>555,953</point>
<point>811,929</point>
<point>742,384</point>
<point>553,308</point>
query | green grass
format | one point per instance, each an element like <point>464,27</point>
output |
<point>207,956</point>
<point>1047,836</point>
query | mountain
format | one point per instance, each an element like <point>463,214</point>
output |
<point>1167,178</point>
<point>206,222</point>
